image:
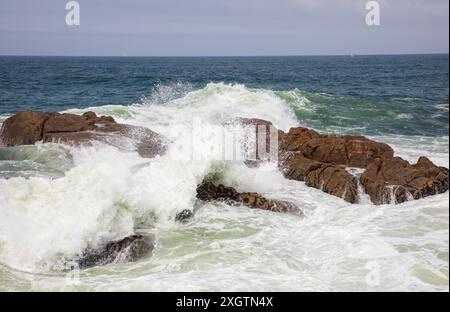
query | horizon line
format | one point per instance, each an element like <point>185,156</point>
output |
<point>223,56</point>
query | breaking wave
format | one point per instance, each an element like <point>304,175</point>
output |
<point>56,201</point>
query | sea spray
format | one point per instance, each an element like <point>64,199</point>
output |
<point>106,194</point>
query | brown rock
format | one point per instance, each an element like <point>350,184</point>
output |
<point>29,127</point>
<point>105,120</point>
<point>68,123</point>
<point>24,128</point>
<point>295,138</point>
<point>320,160</point>
<point>128,249</point>
<point>249,122</point>
<point>207,191</point>
<point>90,116</point>
<point>353,151</point>
<point>394,180</point>
<point>331,179</point>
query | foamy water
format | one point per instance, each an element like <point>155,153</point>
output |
<point>84,197</point>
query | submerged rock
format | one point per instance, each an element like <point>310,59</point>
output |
<point>394,180</point>
<point>126,250</point>
<point>184,216</point>
<point>207,191</point>
<point>29,127</point>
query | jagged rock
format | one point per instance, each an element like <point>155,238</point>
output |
<point>353,151</point>
<point>128,249</point>
<point>331,179</point>
<point>389,180</point>
<point>321,160</point>
<point>25,128</point>
<point>184,216</point>
<point>207,191</point>
<point>295,138</point>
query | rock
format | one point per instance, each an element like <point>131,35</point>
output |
<point>321,160</point>
<point>295,138</point>
<point>256,154</point>
<point>249,122</point>
<point>394,180</point>
<point>29,127</point>
<point>126,250</point>
<point>68,123</point>
<point>184,216</point>
<point>353,151</point>
<point>330,178</point>
<point>207,191</point>
<point>24,128</point>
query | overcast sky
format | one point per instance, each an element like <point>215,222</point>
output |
<point>222,27</point>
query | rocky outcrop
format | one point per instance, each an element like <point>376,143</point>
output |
<point>322,162</point>
<point>24,128</point>
<point>330,178</point>
<point>128,249</point>
<point>207,191</point>
<point>352,151</point>
<point>29,127</point>
<point>394,180</point>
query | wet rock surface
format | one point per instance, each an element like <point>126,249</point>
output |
<point>330,178</point>
<point>208,191</point>
<point>184,216</point>
<point>322,162</point>
<point>29,127</point>
<point>129,249</point>
<point>352,151</point>
<point>394,180</point>
<point>24,128</point>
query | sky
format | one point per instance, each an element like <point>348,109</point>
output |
<point>222,27</point>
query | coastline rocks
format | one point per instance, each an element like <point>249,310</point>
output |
<point>24,128</point>
<point>329,178</point>
<point>29,127</point>
<point>321,161</point>
<point>353,151</point>
<point>207,191</point>
<point>394,180</point>
<point>68,123</point>
<point>128,249</point>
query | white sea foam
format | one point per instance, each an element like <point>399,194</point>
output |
<point>442,107</point>
<point>404,116</point>
<point>108,194</point>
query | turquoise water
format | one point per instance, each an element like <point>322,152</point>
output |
<point>56,201</point>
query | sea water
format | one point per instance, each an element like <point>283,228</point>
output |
<point>56,201</point>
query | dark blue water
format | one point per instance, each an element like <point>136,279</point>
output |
<point>373,94</point>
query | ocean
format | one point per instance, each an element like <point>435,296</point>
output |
<point>56,201</point>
